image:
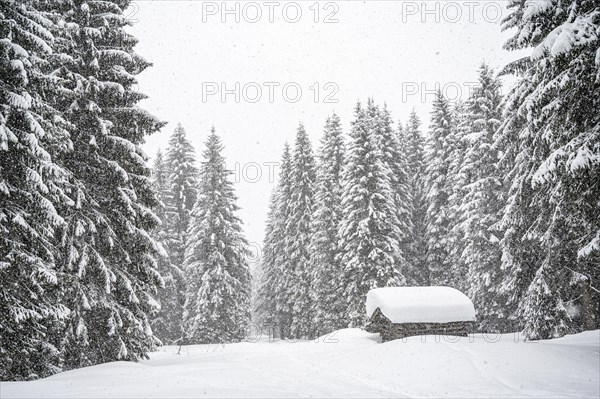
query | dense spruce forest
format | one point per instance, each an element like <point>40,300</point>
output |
<point>104,258</point>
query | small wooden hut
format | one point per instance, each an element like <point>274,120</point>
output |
<point>399,312</point>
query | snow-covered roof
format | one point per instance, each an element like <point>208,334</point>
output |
<point>421,304</point>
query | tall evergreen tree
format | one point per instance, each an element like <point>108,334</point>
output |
<point>179,198</point>
<point>31,189</point>
<point>482,201</point>
<point>166,325</point>
<point>265,305</point>
<point>552,111</point>
<point>217,302</point>
<point>274,304</point>
<point>182,191</point>
<point>394,158</point>
<point>440,145</point>
<point>458,179</point>
<point>412,144</point>
<point>325,223</point>
<point>106,255</point>
<point>301,285</point>
<point>521,252</point>
<point>369,233</point>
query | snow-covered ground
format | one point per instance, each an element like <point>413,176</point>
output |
<point>347,363</point>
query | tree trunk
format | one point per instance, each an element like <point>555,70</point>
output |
<point>587,306</point>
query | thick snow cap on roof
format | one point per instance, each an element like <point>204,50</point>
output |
<point>421,304</point>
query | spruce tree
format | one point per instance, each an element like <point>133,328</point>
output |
<point>166,325</point>
<point>481,201</point>
<point>325,223</point>
<point>265,305</point>
<point>552,112</point>
<point>521,251</point>
<point>217,301</point>
<point>106,255</point>
<point>179,198</point>
<point>440,145</point>
<point>395,160</point>
<point>369,232</point>
<point>274,303</point>
<point>182,180</point>
<point>31,191</point>
<point>413,145</point>
<point>300,286</point>
<point>458,179</point>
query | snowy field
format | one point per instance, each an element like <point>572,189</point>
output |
<point>357,365</point>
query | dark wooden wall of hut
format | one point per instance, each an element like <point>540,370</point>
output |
<point>390,331</point>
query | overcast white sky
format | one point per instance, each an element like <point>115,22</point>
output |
<point>394,51</point>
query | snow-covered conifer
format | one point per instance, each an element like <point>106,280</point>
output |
<point>439,147</point>
<point>458,179</point>
<point>412,144</point>
<point>166,325</point>
<point>181,175</point>
<point>181,197</point>
<point>396,162</point>
<point>482,195</point>
<point>369,232</point>
<point>552,112</point>
<point>300,284</point>
<point>325,223</point>
<point>274,304</point>
<point>107,256</point>
<point>31,192</point>
<point>217,299</point>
